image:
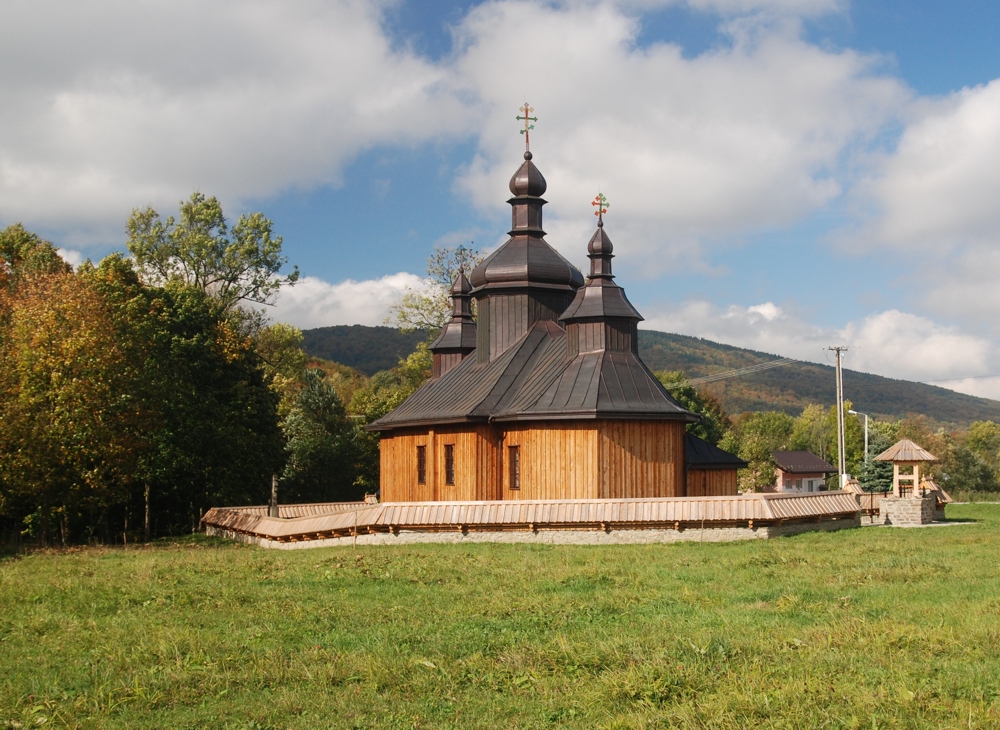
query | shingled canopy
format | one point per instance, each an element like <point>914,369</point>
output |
<point>909,456</point>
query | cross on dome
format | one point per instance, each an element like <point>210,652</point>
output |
<point>602,207</point>
<point>527,127</point>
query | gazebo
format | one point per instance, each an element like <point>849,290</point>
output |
<point>906,458</point>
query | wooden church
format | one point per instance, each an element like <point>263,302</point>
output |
<point>543,396</point>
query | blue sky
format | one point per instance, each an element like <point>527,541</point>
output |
<point>783,174</point>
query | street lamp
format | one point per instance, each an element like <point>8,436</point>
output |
<point>856,413</point>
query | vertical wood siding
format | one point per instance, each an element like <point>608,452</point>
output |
<point>641,459</point>
<point>559,460</point>
<point>476,464</point>
<point>711,483</point>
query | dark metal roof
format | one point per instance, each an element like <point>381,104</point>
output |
<point>535,379</point>
<point>601,298</point>
<point>526,261</point>
<point>699,454</point>
<point>528,180</point>
<point>801,462</point>
<point>459,334</point>
<point>540,376</point>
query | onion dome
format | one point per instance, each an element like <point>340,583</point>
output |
<point>528,180</point>
<point>601,298</point>
<point>526,260</point>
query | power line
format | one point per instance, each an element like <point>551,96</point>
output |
<point>968,377</point>
<point>759,367</point>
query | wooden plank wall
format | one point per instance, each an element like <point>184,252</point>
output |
<point>711,483</point>
<point>476,464</point>
<point>641,459</point>
<point>559,460</point>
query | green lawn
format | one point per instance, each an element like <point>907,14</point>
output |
<point>876,627</point>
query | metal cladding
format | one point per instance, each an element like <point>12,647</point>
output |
<point>905,451</point>
<point>526,260</point>
<point>460,332</point>
<point>528,180</point>
<point>527,365</point>
<point>601,298</point>
<point>699,454</point>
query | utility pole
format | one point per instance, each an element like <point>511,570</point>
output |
<point>841,460</point>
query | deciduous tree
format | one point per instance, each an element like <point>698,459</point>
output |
<point>238,264</point>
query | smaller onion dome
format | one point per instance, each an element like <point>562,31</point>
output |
<point>528,180</point>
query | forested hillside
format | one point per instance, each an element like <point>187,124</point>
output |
<point>787,389</point>
<point>366,349</point>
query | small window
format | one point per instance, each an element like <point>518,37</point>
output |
<point>421,465</point>
<point>514,466</point>
<point>449,464</point>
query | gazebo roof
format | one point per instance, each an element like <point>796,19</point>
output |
<point>905,450</point>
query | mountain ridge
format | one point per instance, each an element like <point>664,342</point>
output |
<point>788,388</point>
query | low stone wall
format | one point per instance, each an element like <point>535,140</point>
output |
<point>558,536</point>
<point>908,511</point>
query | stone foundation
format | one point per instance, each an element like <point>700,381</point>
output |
<point>558,536</point>
<point>909,511</point>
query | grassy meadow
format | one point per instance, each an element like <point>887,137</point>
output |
<point>870,628</point>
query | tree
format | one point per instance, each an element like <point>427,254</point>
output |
<point>234,265</point>
<point>715,422</point>
<point>385,391</point>
<point>753,437</point>
<point>71,430</point>
<point>812,431</point>
<point>429,308</point>
<point>321,445</point>
<point>983,439</point>
<point>876,476</point>
<point>25,254</point>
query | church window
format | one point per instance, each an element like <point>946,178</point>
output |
<point>449,464</point>
<point>421,465</point>
<point>514,466</point>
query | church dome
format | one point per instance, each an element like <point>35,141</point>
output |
<point>528,180</point>
<point>526,261</point>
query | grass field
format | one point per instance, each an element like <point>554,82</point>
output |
<point>868,628</point>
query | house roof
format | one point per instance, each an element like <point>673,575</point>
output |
<point>699,454</point>
<point>801,462</point>
<point>905,450</point>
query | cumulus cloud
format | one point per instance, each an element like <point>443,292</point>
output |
<point>112,104</point>
<point>313,302</point>
<point>891,343</point>
<point>746,136</point>
<point>940,187</point>
<point>932,202</point>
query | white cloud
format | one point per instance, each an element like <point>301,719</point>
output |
<point>110,105</point>
<point>71,257</point>
<point>933,204</point>
<point>743,137</point>
<point>890,343</point>
<point>940,187</point>
<point>313,302</point>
